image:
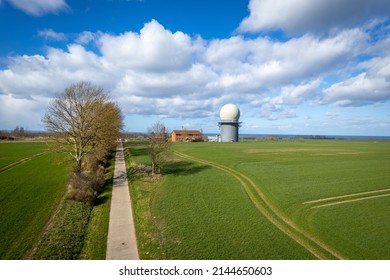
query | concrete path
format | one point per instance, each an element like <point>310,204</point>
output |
<point>121,241</point>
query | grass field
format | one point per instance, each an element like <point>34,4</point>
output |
<point>273,200</point>
<point>37,222</point>
<point>13,152</point>
<point>32,184</point>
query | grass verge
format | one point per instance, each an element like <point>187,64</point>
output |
<point>64,237</point>
<point>143,189</point>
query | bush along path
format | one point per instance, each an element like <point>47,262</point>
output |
<point>121,241</point>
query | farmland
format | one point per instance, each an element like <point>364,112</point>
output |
<point>327,199</point>
<point>32,183</point>
<point>308,199</point>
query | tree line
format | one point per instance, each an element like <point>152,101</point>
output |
<point>21,133</point>
<point>85,125</point>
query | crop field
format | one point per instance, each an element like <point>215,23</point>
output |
<point>32,182</point>
<point>326,199</point>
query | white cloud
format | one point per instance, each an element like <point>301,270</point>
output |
<point>86,37</point>
<point>170,74</point>
<point>22,112</point>
<point>153,49</point>
<point>40,7</point>
<point>26,77</point>
<point>50,34</point>
<point>368,87</point>
<point>31,76</point>
<point>301,16</point>
<point>284,105</point>
<point>175,107</point>
<point>76,58</point>
<point>294,95</point>
<point>193,81</point>
<point>262,64</point>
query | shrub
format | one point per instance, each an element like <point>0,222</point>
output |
<point>85,186</point>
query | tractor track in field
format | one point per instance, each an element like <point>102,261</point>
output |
<point>19,162</point>
<point>348,198</point>
<point>315,246</point>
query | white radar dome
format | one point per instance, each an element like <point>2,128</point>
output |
<point>229,112</point>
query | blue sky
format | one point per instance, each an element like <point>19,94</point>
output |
<point>292,67</point>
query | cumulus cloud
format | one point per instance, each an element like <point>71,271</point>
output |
<point>152,49</point>
<point>50,34</point>
<point>297,94</point>
<point>159,72</point>
<point>370,86</point>
<point>30,76</point>
<point>253,64</point>
<point>193,81</point>
<point>283,105</point>
<point>177,107</point>
<point>154,64</point>
<point>40,7</point>
<point>299,16</point>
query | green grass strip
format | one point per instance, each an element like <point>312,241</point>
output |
<point>143,189</point>
<point>63,239</point>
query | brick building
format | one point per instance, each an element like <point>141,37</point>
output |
<point>186,135</point>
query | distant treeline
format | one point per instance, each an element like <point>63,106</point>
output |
<point>20,133</point>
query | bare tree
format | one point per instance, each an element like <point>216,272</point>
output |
<point>83,121</point>
<point>19,131</point>
<point>158,146</point>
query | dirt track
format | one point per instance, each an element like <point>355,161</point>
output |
<point>348,198</point>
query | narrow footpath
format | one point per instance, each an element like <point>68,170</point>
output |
<point>121,241</point>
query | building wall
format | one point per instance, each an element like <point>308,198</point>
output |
<point>229,131</point>
<point>178,135</point>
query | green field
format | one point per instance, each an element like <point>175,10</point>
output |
<point>327,199</point>
<point>32,183</point>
